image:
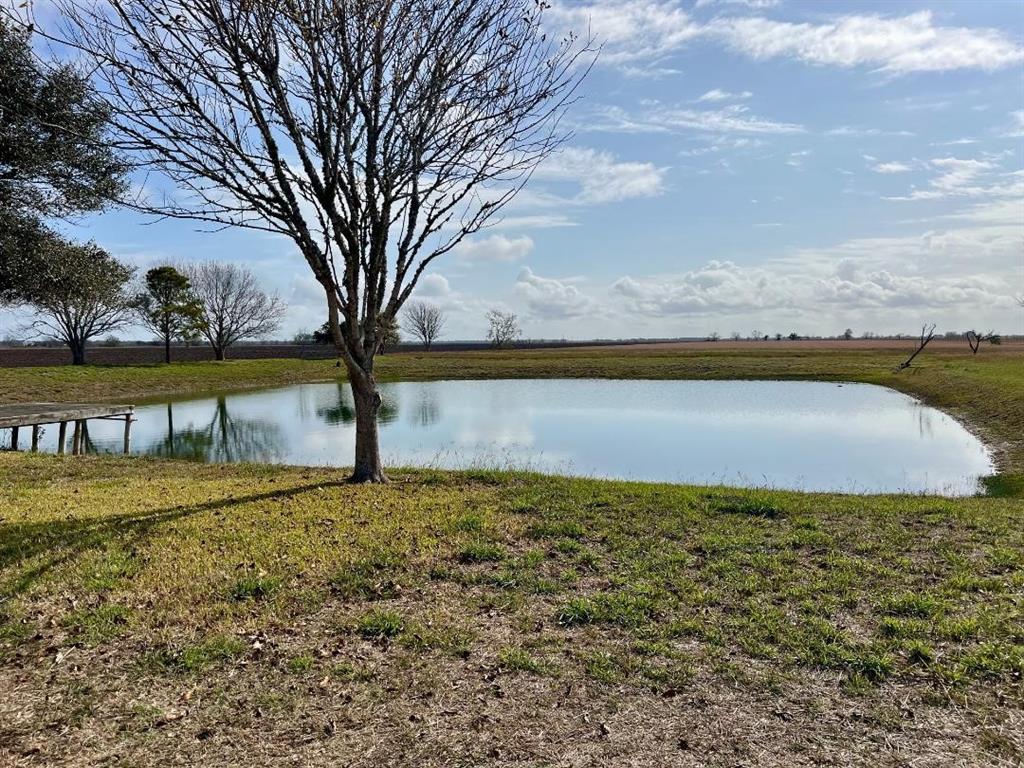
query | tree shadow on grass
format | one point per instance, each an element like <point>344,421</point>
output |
<point>65,541</point>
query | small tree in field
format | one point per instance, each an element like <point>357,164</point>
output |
<point>975,339</point>
<point>503,328</point>
<point>375,134</point>
<point>233,305</point>
<point>168,308</point>
<point>424,321</point>
<point>83,294</point>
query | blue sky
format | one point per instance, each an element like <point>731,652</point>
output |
<point>735,165</point>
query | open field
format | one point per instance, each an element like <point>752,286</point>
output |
<point>164,613</point>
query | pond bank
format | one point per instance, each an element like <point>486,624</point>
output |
<point>986,391</point>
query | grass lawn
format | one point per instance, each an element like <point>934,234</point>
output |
<point>157,612</point>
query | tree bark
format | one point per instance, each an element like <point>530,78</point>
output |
<point>218,353</point>
<point>77,353</point>
<point>167,348</point>
<point>367,468</point>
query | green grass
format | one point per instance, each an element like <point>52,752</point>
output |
<point>869,588</point>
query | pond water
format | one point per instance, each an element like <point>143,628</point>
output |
<point>813,436</point>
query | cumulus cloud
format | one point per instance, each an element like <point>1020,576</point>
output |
<point>601,176</point>
<point>433,286</point>
<point>718,286</point>
<point>493,249</point>
<point>551,298</point>
<point>896,45</point>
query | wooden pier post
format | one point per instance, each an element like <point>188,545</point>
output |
<point>62,438</point>
<point>35,438</point>
<point>76,439</point>
<point>14,438</point>
<point>128,433</point>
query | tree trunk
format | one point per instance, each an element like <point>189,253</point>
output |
<point>368,468</point>
<point>218,353</point>
<point>167,348</point>
<point>77,353</point>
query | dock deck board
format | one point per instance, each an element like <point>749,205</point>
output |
<point>32,414</point>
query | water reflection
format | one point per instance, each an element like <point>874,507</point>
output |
<point>802,435</point>
<point>223,438</point>
<point>427,408</point>
<point>339,407</point>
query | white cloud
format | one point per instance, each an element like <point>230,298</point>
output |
<point>433,286</point>
<point>753,4</point>
<point>1017,131</point>
<point>660,118</point>
<point>861,132</point>
<point>717,94</point>
<point>891,167</point>
<point>963,178</point>
<point>796,159</point>
<point>493,249</point>
<point>601,177</point>
<point>628,30</point>
<point>551,298</point>
<point>722,144</point>
<point>633,31</point>
<point>896,45</point>
<point>648,71</point>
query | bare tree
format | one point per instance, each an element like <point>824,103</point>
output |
<point>234,307</point>
<point>975,339</point>
<point>376,134</point>
<point>82,295</point>
<point>503,328</point>
<point>424,321</point>
<point>927,334</point>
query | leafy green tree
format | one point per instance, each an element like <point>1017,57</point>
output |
<point>55,156</point>
<point>169,308</point>
<point>83,293</point>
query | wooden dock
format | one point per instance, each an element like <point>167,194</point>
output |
<point>35,415</point>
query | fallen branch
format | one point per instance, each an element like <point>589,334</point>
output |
<point>927,334</point>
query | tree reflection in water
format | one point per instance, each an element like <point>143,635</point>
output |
<point>224,439</point>
<point>427,409</point>
<point>341,409</point>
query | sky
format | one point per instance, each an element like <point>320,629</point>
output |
<point>735,165</point>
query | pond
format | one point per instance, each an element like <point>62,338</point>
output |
<point>814,436</point>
